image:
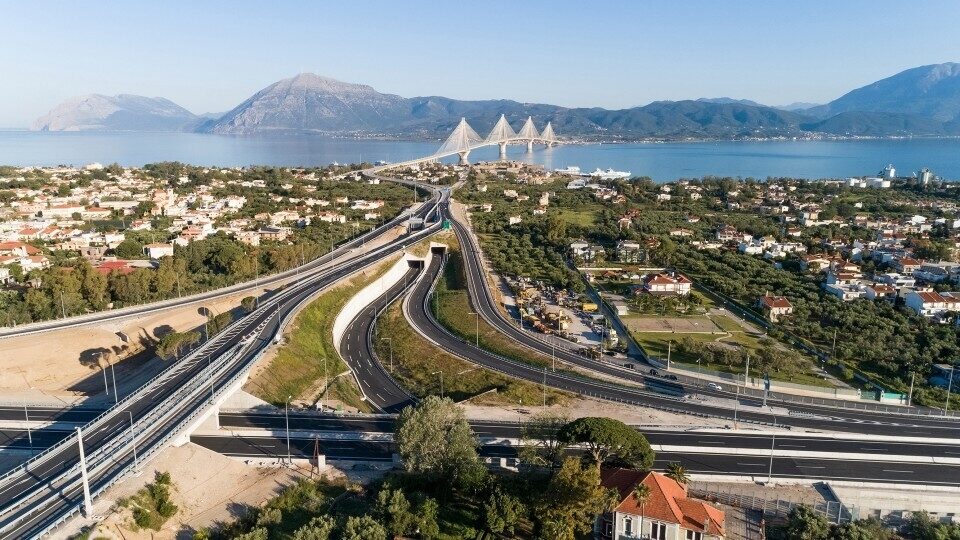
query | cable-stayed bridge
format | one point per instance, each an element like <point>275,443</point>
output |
<point>465,139</point>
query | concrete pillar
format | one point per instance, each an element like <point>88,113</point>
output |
<point>530,145</point>
<point>463,157</point>
<point>503,151</point>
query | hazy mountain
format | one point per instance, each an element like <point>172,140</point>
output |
<point>928,91</point>
<point>798,106</point>
<point>125,112</point>
<point>728,101</point>
<point>920,101</point>
<point>310,102</point>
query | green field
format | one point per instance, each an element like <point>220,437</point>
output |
<point>581,218</point>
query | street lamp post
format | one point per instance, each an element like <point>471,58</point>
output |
<point>441,381</point>
<point>946,405</point>
<point>133,438</point>
<point>390,345</point>
<point>286,415</point>
<point>773,444</point>
<point>478,327</point>
<point>113,375</point>
<point>26,415</point>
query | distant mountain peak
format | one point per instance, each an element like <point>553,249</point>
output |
<point>123,112</point>
<point>730,101</point>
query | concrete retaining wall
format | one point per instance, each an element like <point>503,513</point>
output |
<point>373,292</point>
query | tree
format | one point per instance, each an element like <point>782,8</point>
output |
<point>863,529</point>
<point>434,439</point>
<point>572,500</point>
<point>805,524</point>
<point>364,528</point>
<point>503,512</point>
<point>609,441</point>
<point>319,528</point>
<point>174,343</point>
<point>427,512</point>
<point>393,509</point>
<point>677,473</point>
<point>248,303</point>
<point>540,439</point>
<point>642,494</point>
<point>130,248</point>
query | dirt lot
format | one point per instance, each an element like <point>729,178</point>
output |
<point>671,324</point>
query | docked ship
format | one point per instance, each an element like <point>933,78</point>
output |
<point>609,174</point>
<point>572,170</point>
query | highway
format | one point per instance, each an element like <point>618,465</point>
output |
<point>48,488</point>
<point>751,465</point>
<point>356,349</point>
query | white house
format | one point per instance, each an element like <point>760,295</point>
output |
<point>932,304</point>
<point>157,251</point>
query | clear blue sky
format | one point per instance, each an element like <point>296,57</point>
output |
<point>209,56</point>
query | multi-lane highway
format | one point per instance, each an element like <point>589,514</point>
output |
<point>750,464</point>
<point>48,488</point>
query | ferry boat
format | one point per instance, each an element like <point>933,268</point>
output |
<point>572,170</point>
<point>609,174</point>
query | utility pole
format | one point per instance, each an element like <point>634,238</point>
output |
<point>669,347</point>
<point>87,504</point>
<point>553,354</point>
<point>833,355</point>
<point>746,374</point>
<point>133,438</point>
<point>544,387</point>
<point>286,415</point>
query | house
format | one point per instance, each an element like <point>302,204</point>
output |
<point>932,304</point>
<point>156,251</point>
<point>629,251</point>
<point>814,263</point>
<point>667,284</point>
<point>669,513</point>
<point>906,265</point>
<point>881,291</point>
<point>775,307</point>
<point>277,234</point>
<point>513,220</point>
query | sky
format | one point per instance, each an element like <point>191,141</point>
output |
<point>209,56</point>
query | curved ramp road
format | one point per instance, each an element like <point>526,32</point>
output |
<point>47,489</point>
<point>356,349</point>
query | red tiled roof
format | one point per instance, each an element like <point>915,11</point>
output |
<point>668,500</point>
<point>775,301</point>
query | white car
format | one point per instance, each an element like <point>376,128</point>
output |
<point>714,386</point>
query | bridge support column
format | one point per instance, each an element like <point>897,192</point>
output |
<point>530,145</point>
<point>503,151</point>
<point>463,157</point>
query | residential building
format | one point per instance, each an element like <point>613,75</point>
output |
<point>668,513</point>
<point>156,251</point>
<point>667,284</point>
<point>775,307</point>
<point>932,305</point>
<point>881,291</point>
<point>629,251</point>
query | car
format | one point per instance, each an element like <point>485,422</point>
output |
<point>714,386</point>
<point>671,377</point>
<point>654,372</point>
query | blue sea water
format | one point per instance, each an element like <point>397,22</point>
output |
<point>660,161</point>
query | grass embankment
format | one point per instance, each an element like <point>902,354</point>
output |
<point>451,307</point>
<point>416,362</point>
<point>298,367</point>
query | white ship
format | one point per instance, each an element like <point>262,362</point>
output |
<point>609,174</point>
<point>572,170</point>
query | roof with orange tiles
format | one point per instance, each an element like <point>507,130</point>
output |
<point>668,500</point>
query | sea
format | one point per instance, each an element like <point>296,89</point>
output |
<point>663,162</point>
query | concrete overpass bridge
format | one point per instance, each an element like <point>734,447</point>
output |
<point>465,139</point>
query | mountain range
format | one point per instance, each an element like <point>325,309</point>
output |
<point>923,101</point>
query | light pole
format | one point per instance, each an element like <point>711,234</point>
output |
<point>441,381</point>
<point>773,444</point>
<point>87,504</point>
<point>553,354</point>
<point>133,438</point>
<point>113,375</point>
<point>390,345</point>
<point>478,327</point>
<point>946,405</point>
<point>286,415</point>
<point>26,415</point>
<point>544,387</point>
<point>211,378</point>
<point>910,395</point>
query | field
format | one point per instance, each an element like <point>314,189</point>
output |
<point>672,324</point>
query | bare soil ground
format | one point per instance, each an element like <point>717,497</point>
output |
<point>671,324</point>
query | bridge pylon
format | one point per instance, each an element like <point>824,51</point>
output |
<point>461,141</point>
<point>501,134</point>
<point>529,133</point>
<point>548,136</point>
